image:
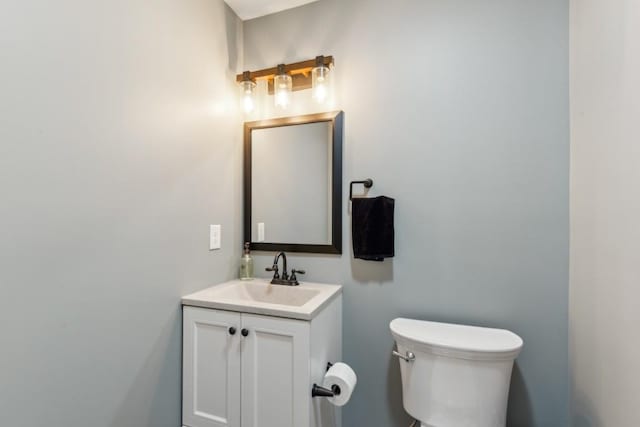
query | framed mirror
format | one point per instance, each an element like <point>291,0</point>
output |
<point>293,183</point>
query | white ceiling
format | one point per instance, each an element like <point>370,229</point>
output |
<point>249,9</point>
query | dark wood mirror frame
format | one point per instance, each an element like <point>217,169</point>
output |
<point>336,120</point>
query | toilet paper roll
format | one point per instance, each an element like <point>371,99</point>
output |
<point>341,375</point>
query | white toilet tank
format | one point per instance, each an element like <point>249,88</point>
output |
<point>459,376</point>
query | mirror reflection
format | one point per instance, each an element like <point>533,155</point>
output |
<point>291,184</point>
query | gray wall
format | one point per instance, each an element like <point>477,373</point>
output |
<point>605,208</point>
<point>459,110</point>
<point>120,141</point>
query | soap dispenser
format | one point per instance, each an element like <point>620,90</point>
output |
<point>246,264</point>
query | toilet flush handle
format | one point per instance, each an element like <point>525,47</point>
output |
<point>408,357</point>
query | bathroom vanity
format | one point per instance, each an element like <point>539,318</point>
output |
<point>252,352</point>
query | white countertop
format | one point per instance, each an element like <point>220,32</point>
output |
<point>258,296</point>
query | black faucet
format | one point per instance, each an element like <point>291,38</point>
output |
<point>285,279</point>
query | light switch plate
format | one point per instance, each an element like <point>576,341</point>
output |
<point>215,237</point>
<point>261,232</point>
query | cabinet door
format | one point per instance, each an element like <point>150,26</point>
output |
<point>211,368</point>
<point>275,372</point>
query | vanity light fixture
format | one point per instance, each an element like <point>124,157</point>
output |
<point>283,85</point>
<point>286,78</point>
<point>248,86</point>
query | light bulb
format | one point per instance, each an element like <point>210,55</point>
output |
<point>248,103</point>
<point>320,80</point>
<point>320,92</point>
<point>247,87</point>
<point>282,86</point>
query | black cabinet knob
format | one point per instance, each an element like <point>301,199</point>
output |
<point>232,331</point>
<point>244,332</point>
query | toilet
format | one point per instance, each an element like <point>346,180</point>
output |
<point>455,375</point>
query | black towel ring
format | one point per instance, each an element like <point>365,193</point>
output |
<point>368,183</point>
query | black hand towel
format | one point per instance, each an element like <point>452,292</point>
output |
<point>372,228</point>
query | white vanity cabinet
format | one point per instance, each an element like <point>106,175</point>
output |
<point>275,372</point>
<point>210,368</point>
<point>243,369</point>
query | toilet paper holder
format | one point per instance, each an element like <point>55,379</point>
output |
<point>319,391</point>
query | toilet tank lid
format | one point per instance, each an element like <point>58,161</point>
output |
<point>451,336</point>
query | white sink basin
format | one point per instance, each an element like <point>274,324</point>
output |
<point>260,297</point>
<point>273,294</point>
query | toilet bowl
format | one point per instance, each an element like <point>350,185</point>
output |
<point>455,375</point>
